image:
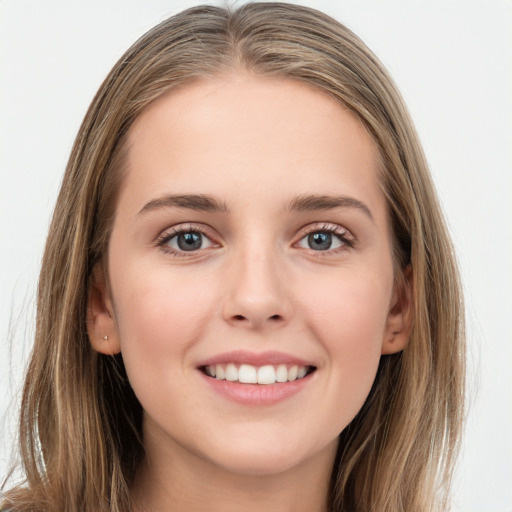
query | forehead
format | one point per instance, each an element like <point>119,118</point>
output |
<point>247,134</point>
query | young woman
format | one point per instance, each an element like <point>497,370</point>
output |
<point>248,299</point>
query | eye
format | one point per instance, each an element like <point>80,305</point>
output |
<point>191,241</point>
<point>328,238</point>
<point>178,241</point>
<point>320,241</point>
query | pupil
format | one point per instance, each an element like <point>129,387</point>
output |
<point>320,241</point>
<point>189,241</point>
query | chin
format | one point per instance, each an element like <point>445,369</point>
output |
<point>263,463</point>
<point>266,457</point>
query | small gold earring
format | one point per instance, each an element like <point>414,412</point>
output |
<point>105,337</point>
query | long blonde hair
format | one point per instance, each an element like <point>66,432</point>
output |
<point>80,426</point>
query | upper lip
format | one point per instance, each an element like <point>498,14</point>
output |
<point>254,359</point>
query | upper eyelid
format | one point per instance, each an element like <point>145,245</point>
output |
<point>185,228</point>
<point>325,226</point>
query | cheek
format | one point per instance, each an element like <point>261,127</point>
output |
<point>348,317</point>
<point>159,313</point>
<point>351,308</point>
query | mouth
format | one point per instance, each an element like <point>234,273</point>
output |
<point>249,374</point>
<point>257,379</point>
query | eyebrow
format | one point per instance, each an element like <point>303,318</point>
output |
<point>306,203</point>
<point>207,203</point>
<point>197,202</point>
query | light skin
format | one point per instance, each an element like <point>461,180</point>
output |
<point>277,186</point>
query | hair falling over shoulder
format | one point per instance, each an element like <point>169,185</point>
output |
<point>80,422</point>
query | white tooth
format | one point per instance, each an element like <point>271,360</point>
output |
<point>247,374</point>
<point>211,370</point>
<point>302,372</point>
<point>292,373</point>
<point>282,373</point>
<point>220,373</point>
<point>231,372</point>
<point>266,374</point>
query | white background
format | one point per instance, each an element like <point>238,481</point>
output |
<point>452,61</point>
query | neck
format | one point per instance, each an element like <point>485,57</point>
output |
<point>177,480</point>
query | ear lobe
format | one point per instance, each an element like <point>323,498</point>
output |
<point>400,316</point>
<point>101,324</point>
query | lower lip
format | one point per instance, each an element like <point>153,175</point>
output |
<point>257,394</point>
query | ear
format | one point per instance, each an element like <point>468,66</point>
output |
<point>101,323</point>
<point>400,316</point>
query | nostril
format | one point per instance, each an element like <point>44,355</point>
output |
<point>256,319</point>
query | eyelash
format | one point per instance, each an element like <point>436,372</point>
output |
<point>342,234</point>
<point>173,232</point>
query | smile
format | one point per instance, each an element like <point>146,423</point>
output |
<point>257,379</point>
<point>249,374</point>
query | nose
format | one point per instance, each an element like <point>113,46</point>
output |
<point>256,292</point>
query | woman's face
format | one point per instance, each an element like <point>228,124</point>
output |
<point>251,243</point>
